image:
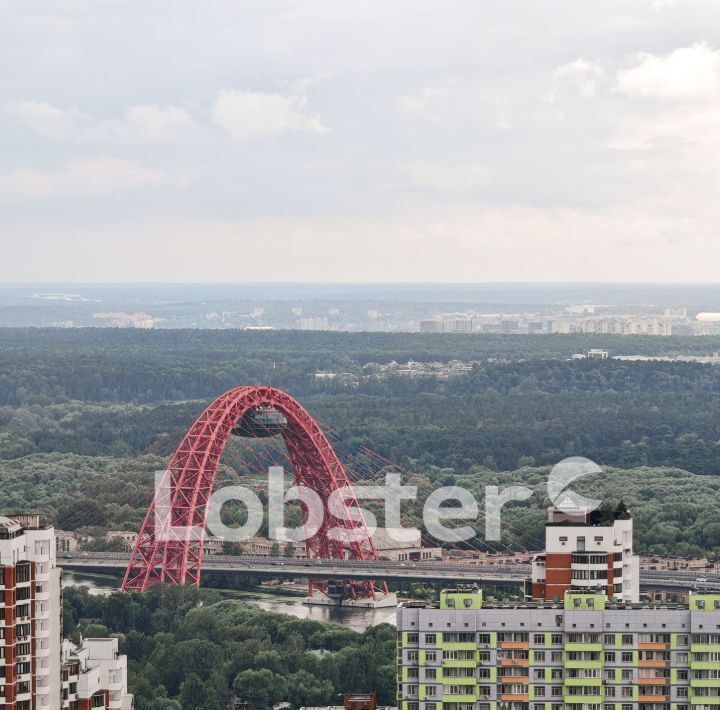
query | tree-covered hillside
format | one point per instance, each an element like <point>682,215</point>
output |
<point>87,416</point>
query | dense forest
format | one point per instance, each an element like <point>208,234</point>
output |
<point>110,365</point>
<point>86,416</point>
<point>190,650</point>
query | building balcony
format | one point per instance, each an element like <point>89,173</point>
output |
<point>598,664</point>
<point>705,682</point>
<point>457,645</point>
<point>518,645</point>
<point>651,646</point>
<point>460,663</point>
<point>449,680</point>
<point>582,699</point>
<point>583,647</point>
<point>705,648</point>
<point>459,698</point>
<point>704,700</point>
<point>654,664</point>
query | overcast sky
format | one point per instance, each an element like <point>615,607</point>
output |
<point>328,140</point>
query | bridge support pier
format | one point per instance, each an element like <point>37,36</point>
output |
<point>387,600</point>
<point>345,593</point>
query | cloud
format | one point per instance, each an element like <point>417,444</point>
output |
<point>688,73</point>
<point>682,91</point>
<point>660,5</point>
<point>45,119</point>
<point>585,76</point>
<point>422,103</point>
<point>148,123</point>
<point>247,115</point>
<point>445,177</point>
<point>672,131</point>
<point>87,178</point>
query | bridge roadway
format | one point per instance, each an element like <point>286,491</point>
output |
<point>444,572</point>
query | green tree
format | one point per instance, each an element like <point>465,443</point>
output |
<point>262,689</point>
<point>192,693</point>
<point>304,688</point>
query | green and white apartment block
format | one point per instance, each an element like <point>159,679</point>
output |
<point>584,653</point>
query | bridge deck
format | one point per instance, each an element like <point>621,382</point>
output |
<point>380,570</point>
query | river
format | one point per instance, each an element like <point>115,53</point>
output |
<point>355,619</point>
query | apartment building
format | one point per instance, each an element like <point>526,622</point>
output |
<point>30,628</point>
<point>587,652</point>
<point>32,655</point>
<point>587,549</point>
<point>94,675</point>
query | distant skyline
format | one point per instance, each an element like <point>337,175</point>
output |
<point>317,141</point>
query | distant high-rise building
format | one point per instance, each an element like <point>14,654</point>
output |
<point>627,326</point>
<point>536,326</point>
<point>560,326</point>
<point>458,323</point>
<point>676,312</point>
<point>509,326</point>
<point>317,323</point>
<point>432,325</point>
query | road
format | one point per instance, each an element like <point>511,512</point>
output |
<point>445,572</point>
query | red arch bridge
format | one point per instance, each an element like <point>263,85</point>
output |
<point>164,555</point>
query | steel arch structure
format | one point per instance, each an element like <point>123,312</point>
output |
<point>161,555</point>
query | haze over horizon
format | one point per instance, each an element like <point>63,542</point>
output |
<point>453,142</point>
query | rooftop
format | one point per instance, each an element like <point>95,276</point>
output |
<point>9,524</point>
<point>570,602</point>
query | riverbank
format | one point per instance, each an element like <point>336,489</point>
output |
<point>353,618</point>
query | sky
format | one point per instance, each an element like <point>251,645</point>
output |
<point>327,140</point>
